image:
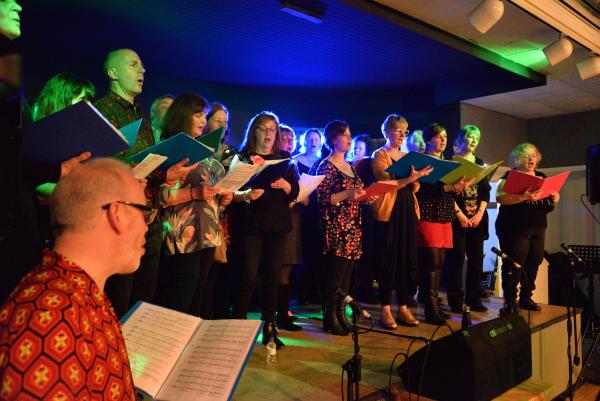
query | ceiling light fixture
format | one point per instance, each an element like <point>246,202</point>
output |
<point>310,10</point>
<point>486,14</point>
<point>559,50</point>
<point>589,68</point>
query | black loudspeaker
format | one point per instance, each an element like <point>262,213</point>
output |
<point>479,363</point>
<point>592,173</point>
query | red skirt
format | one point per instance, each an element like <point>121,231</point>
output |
<point>434,235</point>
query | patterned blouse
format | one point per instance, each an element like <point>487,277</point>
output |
<point>194,225</point>
<point>60,338</point>
<point>340,224</point>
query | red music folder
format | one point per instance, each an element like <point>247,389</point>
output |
<point>378,188</point>
<point>517,182</point>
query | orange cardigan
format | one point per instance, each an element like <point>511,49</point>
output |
<point>382,207</point>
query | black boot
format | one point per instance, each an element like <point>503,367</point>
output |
<point>455,301</point>
<point>433,314</point>
<point>476,305</point>
<point>528,303</point>
<point>269,331</point>
<point>510,306</point>
<point>283,301</point>
<point>342,317</point>
<point>331,323</point>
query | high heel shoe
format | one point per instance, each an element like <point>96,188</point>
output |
<point>269,331</point>
<point>406,317</point>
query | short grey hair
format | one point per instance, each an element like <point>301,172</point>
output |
<point>75,204</point>
<point>517,154</point>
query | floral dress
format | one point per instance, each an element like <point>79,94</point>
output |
<point>194,225</point>
<point>340,224</point>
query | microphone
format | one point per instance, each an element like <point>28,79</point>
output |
<point>570,252</point>
<point>505,257</point>
<point>356,307</point>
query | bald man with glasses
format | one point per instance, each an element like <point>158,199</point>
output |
<point>59,335</point>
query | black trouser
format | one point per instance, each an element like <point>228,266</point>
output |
<point>187,275</point>
<point>339,273</point>
<point>124,290</point>
<point>259,254</point>
<point>469,242</point>
<point>526,247</point>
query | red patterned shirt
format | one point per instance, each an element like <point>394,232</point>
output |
<point>60,338</point>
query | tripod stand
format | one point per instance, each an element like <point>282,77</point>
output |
<point>592,329</point>
<point>353,366</point>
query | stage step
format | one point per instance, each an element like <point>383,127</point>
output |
<point>529,390</point>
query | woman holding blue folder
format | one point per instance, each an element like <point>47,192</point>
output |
<point>437,206</point>
<point>395,215</point>
<point>190,213</point>
<point>261,223</point>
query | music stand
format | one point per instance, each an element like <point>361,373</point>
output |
<point>590,254</point>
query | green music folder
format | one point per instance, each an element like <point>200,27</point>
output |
<point>212,139</point>
<point>469,170</point>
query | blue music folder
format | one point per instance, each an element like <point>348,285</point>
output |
<point>265,178</point>
<point>70,132</point>
<point>176,148</point>
<point>130,131</point>
<point>441,168</point>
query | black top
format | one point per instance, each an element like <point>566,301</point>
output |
<point>271,212</point>
<point>520,216</point>
<point>435,204</point>
<point>470,199</point>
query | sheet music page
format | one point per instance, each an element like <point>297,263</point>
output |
<point>213,361</point>
<point>308,183</point>
<point>238,174</point>
<point>268,163</point>
<point>155,337</point>
<point>148,165</point>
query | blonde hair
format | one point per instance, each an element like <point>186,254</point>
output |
<point>391,122</point>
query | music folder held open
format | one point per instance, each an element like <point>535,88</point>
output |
<point>179,357</point>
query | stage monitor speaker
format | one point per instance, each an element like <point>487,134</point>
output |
<point>478,363</point>
<point>592,175</point>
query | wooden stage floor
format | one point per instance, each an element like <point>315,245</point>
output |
<point>309,366</point>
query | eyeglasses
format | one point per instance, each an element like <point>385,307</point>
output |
<point>404,133</point>
<point>265,129</point>
<point>149,212</point>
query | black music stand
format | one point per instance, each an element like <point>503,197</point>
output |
<point>590,254</point>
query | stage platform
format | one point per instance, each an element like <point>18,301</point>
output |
<point>309,366</point>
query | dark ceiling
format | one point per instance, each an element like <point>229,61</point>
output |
<point>243,42</point>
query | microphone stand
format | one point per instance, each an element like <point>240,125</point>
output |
<point>570,323</point>
<point>353,365</point>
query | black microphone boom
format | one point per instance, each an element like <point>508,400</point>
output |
<point>356,307</point>
<point>570,252</point>
<point>505,257</point>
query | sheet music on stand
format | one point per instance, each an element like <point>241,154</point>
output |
<point>590,254</point>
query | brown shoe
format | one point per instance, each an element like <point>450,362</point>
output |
<point>406,317</point>
<point>387,320</point>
